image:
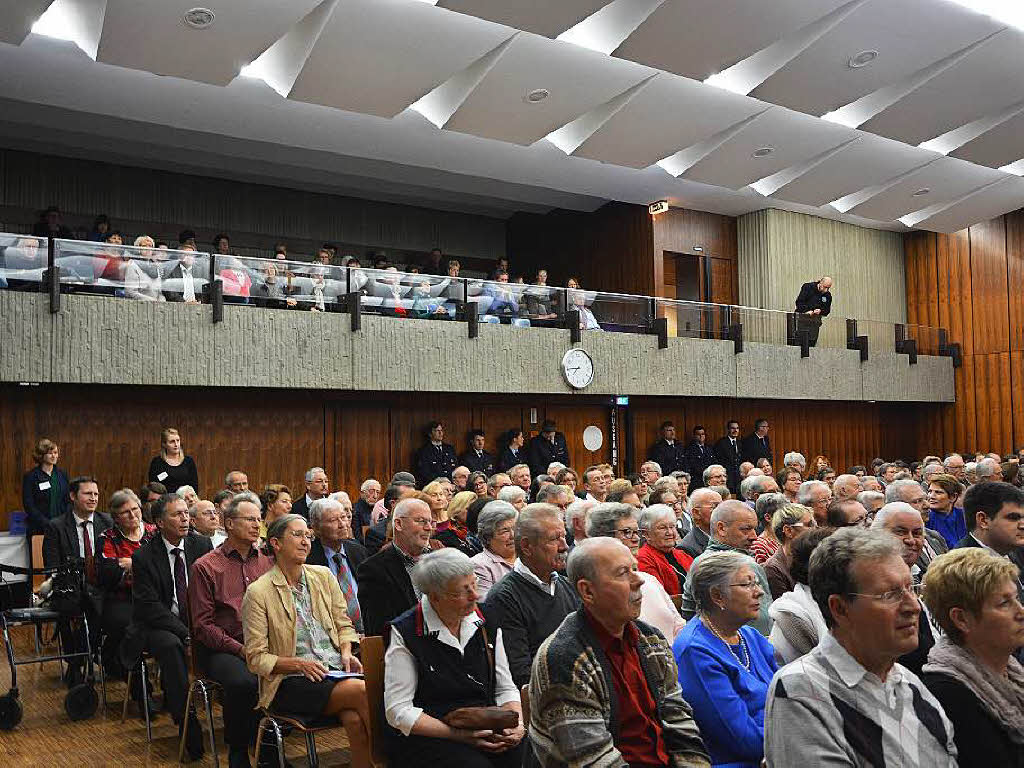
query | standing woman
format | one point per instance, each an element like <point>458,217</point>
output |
<point>172,467</point>
<point>513,452</point>
<point>44,489</point>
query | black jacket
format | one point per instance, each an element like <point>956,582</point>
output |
<point>694,542</point>
<point>698,458</point>
<point>731,460</point>
<point>753,448</point>
<point>385,590</point>
<point>669,457</point>
<point>483,463</point>
<point>431,462</point>
<point>37,502</point>
<point>542,452</point>
<point>925,640</point>
<point>376,536</point>
<point>61,538</point>
<point>354,551</point>
<point>809,298</point>
<point>300,507</point>
<point>507,460</point>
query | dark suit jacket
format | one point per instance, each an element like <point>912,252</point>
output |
<point>731,460</point>
<point>199,272</point>
<point>483,463</point>
<point>61,538</point>
<point>698,458</point>
<point>376,536</point>
<point>695,542</point>
<point>542,452</point>
<point>385,590</point>
<point>153,589</point>
<point>300,507</point>
<point>354,551</point>
<point>430,462</point>
<point>507,460</point>
<point>925,640</point>
<point>752,449</point>
<point>37,503</point>
<point>669,457</point>
<point>1016,557</point>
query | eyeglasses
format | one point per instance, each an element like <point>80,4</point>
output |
<point>893,596</point>
<point>662,528</point>
<point>302,535</point>
<point>250,520</point>
<point>628,533</point>
<point>747,584</point>
<point>468,591</point>
<point>424,521</point>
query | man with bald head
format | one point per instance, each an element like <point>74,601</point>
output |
<point>911,492</point>
<point>734,528</point>
<point>812,304</point>
<point>846,487</point>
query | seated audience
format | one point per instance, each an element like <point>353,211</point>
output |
<point>848,701</point>
<point>531,601</point>
<point>405,482</point>
<point>205,520</point>
<point>702,503</point>
<point>297,633</point>
<point>618,521</point>
<point>576,520</point>
<point>504,301</point>
<point>972,594</point>
<point>766,544</point>
<point>380,533</point>
<point>514,495</point>
<point>362,512</point>
<point>658,556</point>
<point>815,495</point>
<point>161,614</point>
<point>513,452</point>
<point>148,494</point>
<point>317,487</point>
<point>846,487</point>
<point>477,483</point>
<point>496,528</point>
<point>788,522</point>
<point>477,458</point>
<point>725,667</point>
<point>217,585</point>
<point>277,502</point>
<point>789,480</point>
<point>188,494</point>
<point>577,301</point>
<point>945,517</point>
<point>604,688</point>
<point>236,481</point>
<point>995,519</point>
<point>384,586</point>
<point>44,489</point>
<point>440,660</point>
<point>872,501</point>
<point>797,621</point>
<point>451,532</point>
<point>460,478</point>
<point>172,468</point>
<point>846,513</point>
<point>335,549</point>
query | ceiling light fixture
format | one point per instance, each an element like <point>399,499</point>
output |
<point>537,95</point>
<point>921,192</point>
<point>862,59</point>
<point>1007,11</point>
<point>198,18</point>
<point>762,152</point>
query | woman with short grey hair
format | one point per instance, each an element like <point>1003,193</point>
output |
<point>658,556</point>
<point>725,667</point>
<point>495,527</point>
<point>514,495</point>
<point>425,682</point>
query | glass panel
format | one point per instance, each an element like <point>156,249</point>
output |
<point>281,283</point>
<point>611,311</point>
<point>405,294</point>
<point>22,261</point>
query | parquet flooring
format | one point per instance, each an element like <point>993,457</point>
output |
<point>47,737</point>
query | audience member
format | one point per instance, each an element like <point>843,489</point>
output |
<point>702,503</point>
<point>576,520</point>
<point>44,489</point>
<point>789,480</point>
<point>520,476</point>
<point>336,549</point>
<point>697,454</point>
<point>945,517</point>
<point>658,556</point>
<point>317,487</point>
<point>435,458</point>
<point>667,451</point>
<point>995,521</point>
<point>513,452</point>
<point>205,520</point>
<point>380,532</point>
<point>547,447</point>
<point>172,468</point>
<point>766,544</point>
<point>797,623</point>
<point>148,494</point>
<point>604,688</point>
<point>514,495</point>
<point>460,478</point>
<point>476,458</point>
<point>50,224</point>
<point>188,494</point>
<point>236,481</point>
<point>846,487</point>
<point>362,513</point>
<point>848,701</point>
<point>558,495</point>
<point>529,603</point>
<point>872,501</point>
<point>846,513</point>
<point>277,502</point>
<point>795,460</point>
<point>815,495</point>
<point>725,667</point>
<point>730,455</point>
<point>788,522</point>
<point>297,632</point>
<point>496,530</point>
<point>757,445</point>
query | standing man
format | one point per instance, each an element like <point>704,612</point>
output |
<point>435,458</point>
<point>813,303</point>
<point>756,445</point>
<point>547,447</point>
<point>477,459</point>
<point>730,455</point>
<point>669,453</point>
<point>698,456</point>
<point>317,487</point>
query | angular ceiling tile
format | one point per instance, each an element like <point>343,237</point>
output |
<point>18,17</point>
<point>1000,146</point>
<point>994,200</point>
<point>542,17</point>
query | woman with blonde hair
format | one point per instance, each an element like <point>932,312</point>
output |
<point>172,468</point>
<point>451,529</point>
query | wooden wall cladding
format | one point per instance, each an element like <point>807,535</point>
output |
<point>680,229</point>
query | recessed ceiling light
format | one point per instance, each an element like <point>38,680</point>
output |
<point>921,192</point>
<point>862,59</point>
<point>198,18</point>
<point>537,95</point>
<point>763,152</point>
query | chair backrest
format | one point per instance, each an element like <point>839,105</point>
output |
<point>677,601</point>
<point>37,560</point>
<point>371,653</point>
<point>524,702</point>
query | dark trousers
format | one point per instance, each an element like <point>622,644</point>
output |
<point>72,633</point>
<point>429,753</point>
<point>808,325</point>
<point>169,652</point>
<point>241,692</point>
<point>117,615</point>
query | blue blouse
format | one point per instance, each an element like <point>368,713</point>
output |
<point>952,526</point>
<point>728,700</point>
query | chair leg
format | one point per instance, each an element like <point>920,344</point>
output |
<point>145,702</point>
<point>259,740</point>
<point>280,742</point>
<point>208,706</point>
<point>184,728</point>
<point>127,695</point>
<point>311,756</point>
<point>103,689</point>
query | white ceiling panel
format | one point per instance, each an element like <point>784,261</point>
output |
<point>908,35</point>
<point>666,115</point>
<point>151,35</point>
<point>792,137</point>
<point>543,17</point>
<point>17,19</point>
<point>866,162</point>
<point>699,38</point>
<point>1000,198</point>
<point>946,179</point>
<point>987,80</point>
<point>371,56</point>
<point>577,80</point>
<point>1001,146</point>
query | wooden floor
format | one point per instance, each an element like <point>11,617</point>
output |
<point>46,736</point>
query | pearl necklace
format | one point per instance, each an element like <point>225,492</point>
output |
<point>745,659</point>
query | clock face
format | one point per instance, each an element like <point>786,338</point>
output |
<point>578,368</point>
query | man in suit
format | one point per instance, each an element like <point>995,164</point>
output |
<point>995,520</point>
<point>547,447</point>
<point>667,451</point>
<point>317,487</point>
<point>813,303</point>
<point>698,456</point>
<point>756,445</point>
<point>385,589</point>
<point>160,623</point>
<point>335,548</point>
<point>910,492</point>
<point>730,455</point>
<point>435,458</point>
<point>73,535</point>
<point>477,459</point>
<point>702,503</point>
<point>190,274</point>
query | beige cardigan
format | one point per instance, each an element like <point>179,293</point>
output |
<point>268,621</point>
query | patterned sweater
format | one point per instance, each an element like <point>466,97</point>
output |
<point>574,709</point>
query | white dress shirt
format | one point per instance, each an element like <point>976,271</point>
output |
<point>92,534</point>
<point>188,284</point>
<point>170,559</point>
<point>400,679</point>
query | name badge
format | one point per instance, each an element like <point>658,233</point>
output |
<point>162,476</point>
<point>823,299</point>
<point>44,486</point>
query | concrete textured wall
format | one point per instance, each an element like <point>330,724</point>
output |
<point>116,341</point>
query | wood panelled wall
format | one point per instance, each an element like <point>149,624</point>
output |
<point>275,435</point>
<point>162,203</point>
<point>969,282</point>
<point>678,230</point>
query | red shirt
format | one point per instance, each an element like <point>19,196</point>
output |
<point>115,545</point>
<point>216,587</point>
<point>640,740</point>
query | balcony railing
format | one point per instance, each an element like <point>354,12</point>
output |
<point>158,274</point>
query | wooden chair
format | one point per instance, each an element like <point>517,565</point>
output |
<point>524,702</point>
<point>371,654</point>
<point>37,560</point>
